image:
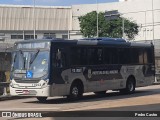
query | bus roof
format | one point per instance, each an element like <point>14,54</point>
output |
<point>91,41</point>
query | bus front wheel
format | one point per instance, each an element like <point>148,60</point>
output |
<point>76,92</point>
<point>42,99</point>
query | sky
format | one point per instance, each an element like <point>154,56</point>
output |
<point>53,2</point>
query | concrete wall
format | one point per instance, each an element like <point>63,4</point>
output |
<point>22,20</point>
<point>40,34</point>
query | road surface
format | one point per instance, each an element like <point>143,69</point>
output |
<point>144,99</point>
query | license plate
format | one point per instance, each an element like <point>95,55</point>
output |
<point>25,91</point>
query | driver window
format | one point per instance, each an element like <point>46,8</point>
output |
<point>59,58</point>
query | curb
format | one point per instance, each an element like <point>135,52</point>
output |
<point>157,83</point>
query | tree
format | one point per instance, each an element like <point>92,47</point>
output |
<point>112,28</point>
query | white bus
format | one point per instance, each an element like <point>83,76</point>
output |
<point>55,67</point>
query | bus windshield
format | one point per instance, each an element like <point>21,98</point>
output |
<point>36,62</point>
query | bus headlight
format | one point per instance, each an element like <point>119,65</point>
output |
<point>45,84</point>
<point>14,85</point>
<point>11,85</point>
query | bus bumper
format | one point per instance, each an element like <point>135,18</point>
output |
<point>44,92</point>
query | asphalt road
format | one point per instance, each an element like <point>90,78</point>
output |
<point>144,99</point>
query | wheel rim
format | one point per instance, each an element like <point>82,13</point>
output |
<point>131,86</point>
<point>75,91</point>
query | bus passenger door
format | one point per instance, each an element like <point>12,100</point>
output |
<point>95,59</point>
<point>58,66</point>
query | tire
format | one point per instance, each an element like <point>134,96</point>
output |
<point>100,93</point>
<point>42,99</point>
<point>76,92</point>
<point>130,86</point>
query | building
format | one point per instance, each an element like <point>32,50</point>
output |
<point>20,22</point>
<point>27,22</point>
<point>146,13</point>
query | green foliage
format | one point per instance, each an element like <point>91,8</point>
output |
<point>112,28</point>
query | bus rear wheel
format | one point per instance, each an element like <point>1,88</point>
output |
<point>42,99</point>
<point>130,86</point>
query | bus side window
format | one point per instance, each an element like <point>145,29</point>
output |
<point>95,56</point>
<point>123,55</point>
<point>111,55</point>
<point>135,56</point>
<point>78,56</point>
<point>150,55</point>
<point>141,60</point>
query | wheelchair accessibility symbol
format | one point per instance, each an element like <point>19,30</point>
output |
<point>29,74</point>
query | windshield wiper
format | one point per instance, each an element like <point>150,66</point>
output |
<point>15,56</point>
<point>24,61</point>
<point>34,57</point>
<point>14,60</point>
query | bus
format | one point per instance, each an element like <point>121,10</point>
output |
<point>56,67</point>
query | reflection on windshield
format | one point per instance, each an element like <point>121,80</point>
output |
<point>35,62</point>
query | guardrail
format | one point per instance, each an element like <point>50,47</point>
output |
<point>4,85</point>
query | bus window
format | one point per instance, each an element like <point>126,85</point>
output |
<point>141,57</point>
<point>78,56</point>
<point>150,55</point>
<point>95,56</point>
<point>134,56</point>
<point>110,56</point>
<point>59,58</point>
<point>123,55</point>
<point>145,57</point>
<point>100,56</point>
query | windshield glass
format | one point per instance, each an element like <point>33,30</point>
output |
<point>32,64</point>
